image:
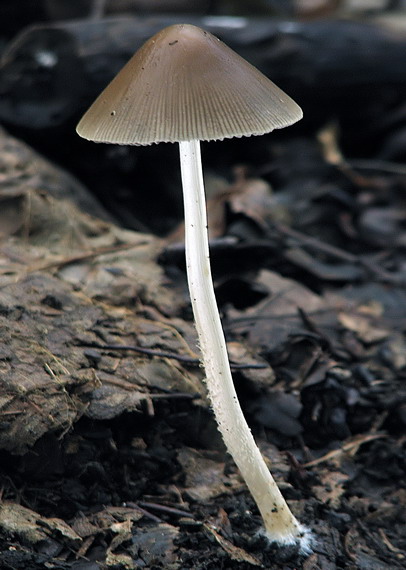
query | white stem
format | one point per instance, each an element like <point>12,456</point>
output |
<point>280,524</point>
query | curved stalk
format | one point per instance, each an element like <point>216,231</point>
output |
<point>280,524</point>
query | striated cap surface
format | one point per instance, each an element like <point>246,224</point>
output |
<point>186,84</point>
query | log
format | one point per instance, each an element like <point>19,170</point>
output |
<point>50,73</point>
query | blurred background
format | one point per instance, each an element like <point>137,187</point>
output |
<point>341,60</point>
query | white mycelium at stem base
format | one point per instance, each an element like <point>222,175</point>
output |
<point>280,525</point>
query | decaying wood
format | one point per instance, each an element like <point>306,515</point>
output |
<point>23,170</point>
<point>55,262</point>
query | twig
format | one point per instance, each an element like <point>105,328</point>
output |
<point>84,256</point>
<point>349,447</point>
<point>143,511</point>
<point>380,165</point>
<point>165,509</point>
<point>338,253</point>
<point>179,357</point>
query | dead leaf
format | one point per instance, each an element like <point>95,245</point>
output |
<point>234,552</point>
<point>350,447</point>
<point>366,328</point>
<point>332,488</point>
<point>155,545</point>
<point>32,527</point>
<point>270,322</point>
<point>279,411</point>
<point>251,197</point>
<point>204,474</point>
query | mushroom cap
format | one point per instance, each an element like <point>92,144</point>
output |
<point>185,84</point>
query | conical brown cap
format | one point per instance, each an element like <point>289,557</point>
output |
<point>186,84</point>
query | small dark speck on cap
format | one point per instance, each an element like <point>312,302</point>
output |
<point>112,113</point>
<point>173,43</point>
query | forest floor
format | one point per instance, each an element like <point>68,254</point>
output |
<point>110,456</point>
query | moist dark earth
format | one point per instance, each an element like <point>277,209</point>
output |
<point>109,452</point>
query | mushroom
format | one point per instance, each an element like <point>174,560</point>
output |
<point>184,85</point>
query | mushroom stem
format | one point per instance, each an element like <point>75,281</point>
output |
<point>280,524</point>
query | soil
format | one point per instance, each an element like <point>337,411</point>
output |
<point>110,456</point>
